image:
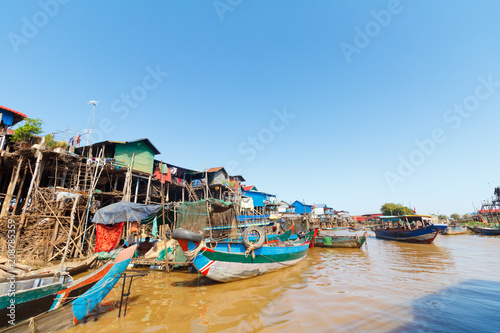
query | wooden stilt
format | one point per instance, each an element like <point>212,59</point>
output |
<point>148,191</point>
<point>71,224</point>
<point>28,196</point>
<point>20,190</point>
<point>11,188</point>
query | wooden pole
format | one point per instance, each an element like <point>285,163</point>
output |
<point>11,189</point>
<point>65,174</point>
<point>30,190</point>
<point>20,190</point>
<point>127,186</point>
<point>148,191</point>
<point>136,190</point>
<point>70,231</point>
<point>162,185</point>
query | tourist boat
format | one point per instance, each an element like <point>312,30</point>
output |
<point>33,298</point>
<point>340,241</point>
<point>408,228</point>
<point>454,230</point>
<point>485,231</point>
<point>231,261</point>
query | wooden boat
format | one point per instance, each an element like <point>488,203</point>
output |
<point>408,228</point>
<point>230,261</point>
<point>454,230</point>
<point>340,241</point>
<point>81,296</point>
<point>71,268</point>
<point>485,231</point>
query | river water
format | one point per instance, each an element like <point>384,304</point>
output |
<point>452,285</point>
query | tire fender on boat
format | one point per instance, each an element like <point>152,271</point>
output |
<point>259,242</point>
<point>187,235</point>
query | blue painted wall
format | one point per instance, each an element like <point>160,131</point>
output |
<point>258,197</point>
<point>300,208</point>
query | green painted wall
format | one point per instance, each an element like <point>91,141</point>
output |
<point>143,156</point>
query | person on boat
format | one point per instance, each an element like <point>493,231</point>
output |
<point>145,246</point>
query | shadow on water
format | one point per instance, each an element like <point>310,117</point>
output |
<point>470,306</point>
<point>199,281</point>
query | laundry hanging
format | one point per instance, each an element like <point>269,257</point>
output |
<point>108,237</point>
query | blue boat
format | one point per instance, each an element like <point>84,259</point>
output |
<point>408,228</point>
<point>454,229</point>
<point>231,261</point>
<point>64,312</point>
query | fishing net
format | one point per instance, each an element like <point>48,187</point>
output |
<point>194,216</point>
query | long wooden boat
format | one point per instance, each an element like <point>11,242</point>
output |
<point>454,230</point>
<point>485,231</point>
<point>72,268</point>
<point>408,228</point>
<point>340,241</point>
<point>230,261</point>
<point>81,296</point>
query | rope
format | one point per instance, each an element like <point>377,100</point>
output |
<point>32,325</point>
<point>193,253</point>
<point>250,249</point>
<point>275,261</point>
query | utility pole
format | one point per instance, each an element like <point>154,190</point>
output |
<point>94,103</point>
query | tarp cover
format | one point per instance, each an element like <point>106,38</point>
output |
<point>124,211</point>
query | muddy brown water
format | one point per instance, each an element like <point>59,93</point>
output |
<point>452,285</point>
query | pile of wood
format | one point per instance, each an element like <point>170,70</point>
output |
<point>6,271</point>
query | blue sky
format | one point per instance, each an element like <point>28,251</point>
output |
<point>322,101</point>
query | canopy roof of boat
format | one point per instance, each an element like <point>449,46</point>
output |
<point>416,217</point>
<point>406,217</point>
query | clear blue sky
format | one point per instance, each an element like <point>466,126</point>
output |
<point>363,81</point>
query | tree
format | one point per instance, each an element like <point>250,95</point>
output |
<point>455,216</point>
<point>466,217</point>
<point>395,209</point>
<point>443,217</point>
<point>29,128</point>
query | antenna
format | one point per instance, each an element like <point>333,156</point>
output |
<point>94,103</point>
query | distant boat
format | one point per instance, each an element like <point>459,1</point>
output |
<point>407,228</point>
<point>339,241</point>
<point>334,228</point>
<point>485,231</point>
<point>231,261</point>
<point>454,230</point>
<point>57,305</point>
<point>442,227</point>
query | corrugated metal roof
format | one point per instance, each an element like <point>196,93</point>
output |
<point>146,141</point>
